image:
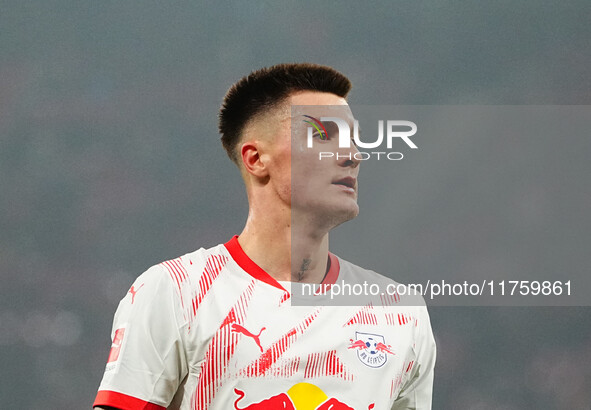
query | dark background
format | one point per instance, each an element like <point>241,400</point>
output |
<point>110,162</point>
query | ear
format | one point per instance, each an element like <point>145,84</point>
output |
<point>253,159</point>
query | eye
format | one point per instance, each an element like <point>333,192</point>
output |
<point>318,130</point>
<point>320,135</point>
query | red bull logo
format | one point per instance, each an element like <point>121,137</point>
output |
<point>372,350</point>
<point>301,396</point>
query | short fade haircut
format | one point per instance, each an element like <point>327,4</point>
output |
<point>266,89</point>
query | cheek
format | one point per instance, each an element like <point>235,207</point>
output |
<point>299,146</point>
<point>306,185</point>
<point>303,174</point>
<point>283,179</point>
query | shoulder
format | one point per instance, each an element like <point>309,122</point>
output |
<point>184,281</point>
<point>173,277</point>
<point>190,266</point>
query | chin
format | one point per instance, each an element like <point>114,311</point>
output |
<point>326,216</point>
<point>350,208</point>
<point>352,213</point>
<point>336,217</point>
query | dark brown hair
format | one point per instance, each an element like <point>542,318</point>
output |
<point>265,89</point>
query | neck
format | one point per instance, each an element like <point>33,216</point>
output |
<point>287,251</point>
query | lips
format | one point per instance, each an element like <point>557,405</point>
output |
<point>348,182</point>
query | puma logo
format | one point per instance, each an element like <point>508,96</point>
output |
<point>133,291</point>
<point>237,328</point>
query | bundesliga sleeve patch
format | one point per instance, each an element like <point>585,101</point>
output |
<point>115,347</point>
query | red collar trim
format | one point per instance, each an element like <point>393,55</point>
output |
<point>254,270</point>
<point>333,271</point>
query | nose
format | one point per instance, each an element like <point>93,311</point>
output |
<point>349,157</point>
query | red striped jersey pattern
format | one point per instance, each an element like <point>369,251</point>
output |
<point>212,330</point>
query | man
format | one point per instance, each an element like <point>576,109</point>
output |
<point>215,329</point>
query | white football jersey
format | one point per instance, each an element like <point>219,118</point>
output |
<point>212,330</point>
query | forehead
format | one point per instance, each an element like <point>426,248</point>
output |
<point>318,104</point>
<point>298,104</point>
<point>316,98</point>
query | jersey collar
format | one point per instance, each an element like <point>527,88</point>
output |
<point>254,270</point>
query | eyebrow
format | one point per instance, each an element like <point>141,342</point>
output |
<point>316,123</point>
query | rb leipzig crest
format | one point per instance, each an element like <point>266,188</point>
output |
<point>372,349</point>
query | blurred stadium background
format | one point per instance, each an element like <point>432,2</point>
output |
<point>110,162</point>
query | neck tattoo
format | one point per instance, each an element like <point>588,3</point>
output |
<point>303,269</point>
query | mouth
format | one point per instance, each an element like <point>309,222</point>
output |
<point>347,182</point>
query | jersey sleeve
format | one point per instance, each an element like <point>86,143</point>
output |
<point>417,392</point>
<point>147,361</point>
